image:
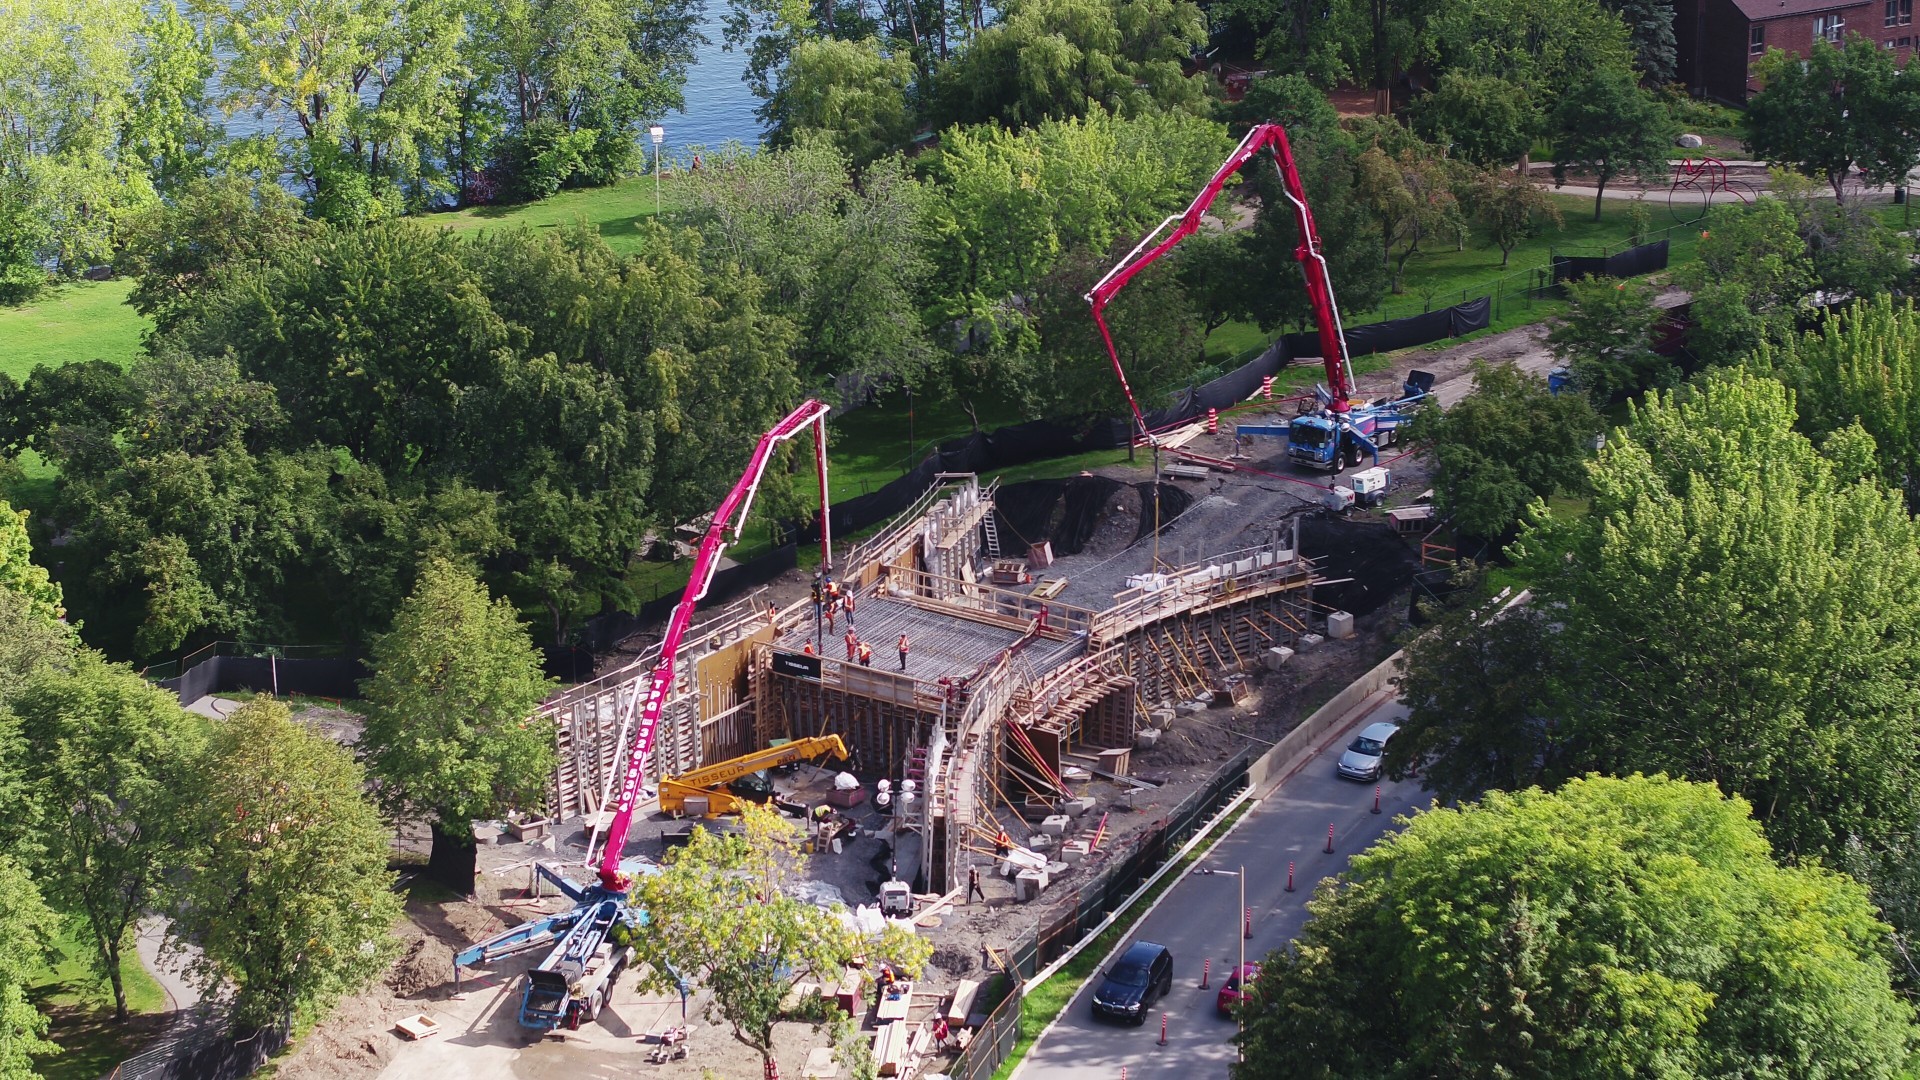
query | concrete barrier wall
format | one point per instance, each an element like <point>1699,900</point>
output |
<point>1298,745</point>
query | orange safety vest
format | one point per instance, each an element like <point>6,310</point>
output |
<point>866,652</point>
<point>903,643</point>
<point>809,649</point>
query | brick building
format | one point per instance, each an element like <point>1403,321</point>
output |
<point>1720,39</point>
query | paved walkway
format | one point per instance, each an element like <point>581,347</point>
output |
<point>170,971</point>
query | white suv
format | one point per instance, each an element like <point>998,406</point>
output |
<point>1363,756</point>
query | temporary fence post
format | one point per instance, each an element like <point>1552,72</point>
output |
<point>1163,1029</point>
<point>1376,798</point>
<point>1329,839</point>
<point>1206,971</point>
<point>1289,876</point>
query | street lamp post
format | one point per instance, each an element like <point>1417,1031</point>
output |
<point>659,135</point>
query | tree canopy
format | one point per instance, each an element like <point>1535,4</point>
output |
<point>1060,59</point>
<point>447,731</point>
<point>114,762</point>
<point>1835,109</point>
<point>290,898</point>
<point>722,915</point>
<point>1616,927</point>
<point>1606,125</point>
<point>1504,445</point>
<point>1716,532</point>
<point>26,925</point>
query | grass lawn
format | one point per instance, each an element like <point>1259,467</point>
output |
<point>84,320</point>
<point>81,1006</point>
<point>616,210</point>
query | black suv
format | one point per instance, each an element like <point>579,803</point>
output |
<point>1142,975</point>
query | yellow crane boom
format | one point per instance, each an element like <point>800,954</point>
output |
<point>710,781</point>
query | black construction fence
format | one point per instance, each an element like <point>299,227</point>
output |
<point>203,1045</point>
<point>1091,902</point>
<point>237,665</point>
<point>1634,261</point>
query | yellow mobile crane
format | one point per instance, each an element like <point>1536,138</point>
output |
<point>710,781</point>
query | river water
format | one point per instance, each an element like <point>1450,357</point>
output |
<point>719,106</point>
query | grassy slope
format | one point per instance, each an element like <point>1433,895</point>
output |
<point>81,1005</point>
<point>616,211</point>
<point>86,320</point>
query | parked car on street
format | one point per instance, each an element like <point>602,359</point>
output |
<point>1142,976</point>
<point>1235,990</point>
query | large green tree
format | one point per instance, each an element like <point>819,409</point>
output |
<point>1485,119</point>
<point>1606,338</point>
<point>720,915</point>
<point>1837,109</point>
<point>572,85</point>
<point>1862,366</point>
<point>212,230</point>
<point>366,89</point>
<point>1605,125</point>
<point>18,572</point>
<point>450,733</point>
<point>1155,332</point>
<point>843,257</point>
<point>1058,59</point>
<point>1409,187</point>
<point>1503,446</point>
<point>26,925</point>
<point>1617,927</point>
<point>115,758</point>
<point>1716,533</point>
<point>1549,46</point>
<point>1012,203</point>
<point>854,93</point>
<point>290,898</point>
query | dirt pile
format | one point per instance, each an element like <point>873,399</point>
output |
<point>1364,561</point>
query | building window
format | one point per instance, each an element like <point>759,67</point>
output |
<point>1829,27</point>
<point>1757,39</point>
<point>1899,12</point>
<point>1905,41</point>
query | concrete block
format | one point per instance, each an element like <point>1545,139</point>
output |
<point>1028,883</point>
<point>1074,852</point>
<point>1056,824</point>
<point>1076,807</point>
<point>1310,642</point>
<point>1277,657</point>
<point>1039,842</point>
<point>1339,625</point>
<point>1055,869</point>
<point>1145,739</point>
<point>1161,718</point>
<point>1188,708</point>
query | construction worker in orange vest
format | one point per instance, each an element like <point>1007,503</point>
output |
<point>903,652</point>
<point>853,643</point>
<point>847,602</point>
<point>1002,844</point>
<point>808,650</point>
<point>866,654</point>
<point>830,606</point>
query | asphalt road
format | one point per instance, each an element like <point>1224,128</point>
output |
<point>1201,917</point>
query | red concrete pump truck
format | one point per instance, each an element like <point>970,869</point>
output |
<point>1337,430</point>
<point>577,977</point>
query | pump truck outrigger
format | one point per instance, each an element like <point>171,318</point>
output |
<point>1335,431</point>
<point>590,940</point>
